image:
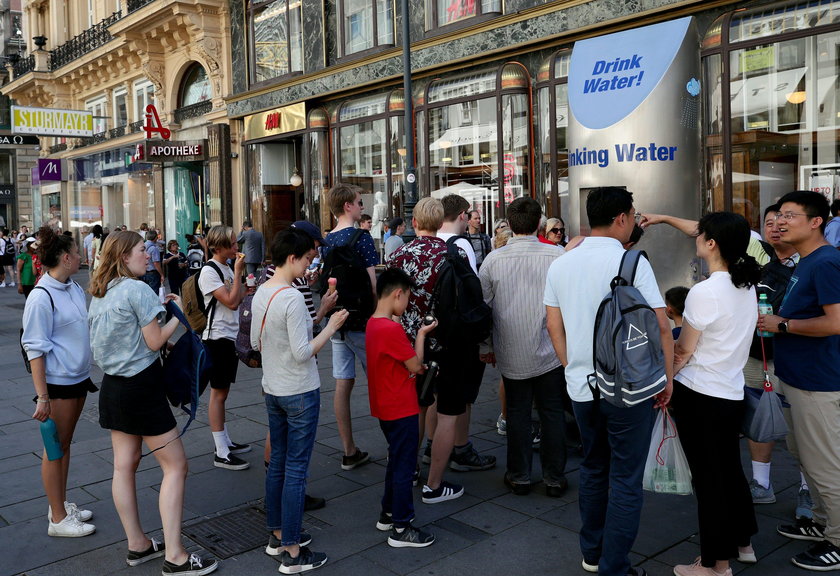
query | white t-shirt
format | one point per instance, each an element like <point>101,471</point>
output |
<point>225,320</point>
<point>726,317</point>
<point>577,282</point>
<point>464,245</point>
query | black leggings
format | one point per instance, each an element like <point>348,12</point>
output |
<point>709,429</point>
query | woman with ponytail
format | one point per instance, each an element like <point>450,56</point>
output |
<point>720,317</point>
<point>57,343</point>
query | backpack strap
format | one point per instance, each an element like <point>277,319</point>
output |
<point>267,306</point>
<point>629,264</point>
<point>52,304</point>
<point>213,301</point>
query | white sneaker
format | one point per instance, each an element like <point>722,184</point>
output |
<point>12,284</point>
<point>71,527</point>
<point>72,510</point>
<point>2,284</point>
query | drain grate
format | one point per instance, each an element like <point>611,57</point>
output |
<point>230,534</point>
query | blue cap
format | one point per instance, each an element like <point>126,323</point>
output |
<point>310,229</point>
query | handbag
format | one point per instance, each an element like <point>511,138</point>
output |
<point>764,420</point>
<point>666,468</point>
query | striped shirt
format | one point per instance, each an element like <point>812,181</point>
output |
<point>513,282</point>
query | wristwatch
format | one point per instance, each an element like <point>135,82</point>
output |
<point>783,327</point>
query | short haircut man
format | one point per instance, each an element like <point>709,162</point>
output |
<point>345,202</point>
<point>615,439</point>
<point>453,206</point>
<point>807,356</point>
<point>512,281</point>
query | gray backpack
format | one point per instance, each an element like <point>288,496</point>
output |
<point>627,351</point>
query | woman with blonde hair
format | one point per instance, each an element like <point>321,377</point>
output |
<point>126,337</point>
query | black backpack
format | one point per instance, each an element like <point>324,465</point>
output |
<point>355,293</point>
<point>458,301</point>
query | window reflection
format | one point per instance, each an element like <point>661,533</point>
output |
<point>276,37</point>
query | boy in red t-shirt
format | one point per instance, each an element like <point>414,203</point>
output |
<point>392,365</point>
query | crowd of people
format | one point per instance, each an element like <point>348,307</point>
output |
<point>543,291</point>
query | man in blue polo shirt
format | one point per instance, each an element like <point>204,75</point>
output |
<point>807,359</point>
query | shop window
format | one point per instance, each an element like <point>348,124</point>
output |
<point>476,140</point>
<point>553,123</point>
<point>440,13</point>
<point>195,86</point>
<point>144,94</point>
<point>365,24</point>
<point>100,115</point>
<point>772,106</point>
<point>120,113</point>
<point>276,39</point>
<point>7,174</point>
<point>370,153</point>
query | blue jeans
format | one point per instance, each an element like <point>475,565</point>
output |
<point>152,278</point>
<point>403,436</point>
<point>615,445</point>
<point>292,423</point>
<point>546,390</point>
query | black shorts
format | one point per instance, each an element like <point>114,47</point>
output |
<point>458,380</point>
<point>225,362</point>
<point>136,404</point>
<point>70,391</point>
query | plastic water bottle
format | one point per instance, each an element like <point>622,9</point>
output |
<point>764,307</point>
<point>51,442</point>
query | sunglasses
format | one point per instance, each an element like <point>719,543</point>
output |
<point>558,230</point>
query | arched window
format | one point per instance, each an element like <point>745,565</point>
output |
<point>195,87</point>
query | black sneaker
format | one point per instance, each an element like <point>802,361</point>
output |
<point>385,522</point>
<point>194,566</point>
<point>358,459</point>
<point>518,488</point>
<point>410,537</point>
<point>313,503</point>
<point>415,478</point>
<point>155,550</point>
<point>444,492</point>
<point>804,529</point>
<point>306,560</point>
<point>274,547</point>
<point>470,461</point>
<point>822,556</point>
<point>239,448</point>
<point>427,453</point>
<point>231,462</point>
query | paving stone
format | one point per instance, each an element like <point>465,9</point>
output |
<point>490,517</point>
<point>352,566</point>
<point>11,415</point>
<point>406,560</point>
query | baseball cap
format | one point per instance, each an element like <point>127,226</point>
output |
<point>310,229</point>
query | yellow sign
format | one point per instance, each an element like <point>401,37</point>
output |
<point>756,59</point>
<point>51,122</point>
<point>278,121</point>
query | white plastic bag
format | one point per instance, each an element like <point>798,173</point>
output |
<point>666,469</point>
<point>162,294</point>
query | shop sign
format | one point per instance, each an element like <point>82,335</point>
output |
<point>50,169</point>
<point>174,151</point>
<point>7,193</point>
<point>9,139</point>
<point>278,121</point>
<point>51,122</point>
<point>153,124</point>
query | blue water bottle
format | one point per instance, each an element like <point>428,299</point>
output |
<point>51,442</point>
<point>764,307</point>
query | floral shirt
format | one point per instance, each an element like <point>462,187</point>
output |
<point>421,259</point>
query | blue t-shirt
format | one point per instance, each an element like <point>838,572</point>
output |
<point>364,246</point>
<point>806,362</point>
<point>154,255</point>
<point>832,231</point>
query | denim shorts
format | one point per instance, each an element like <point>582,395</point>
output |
<point>346,347</point>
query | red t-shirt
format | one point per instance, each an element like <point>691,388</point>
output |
<point>391,387</point>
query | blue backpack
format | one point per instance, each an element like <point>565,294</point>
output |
<point>186,368</point>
